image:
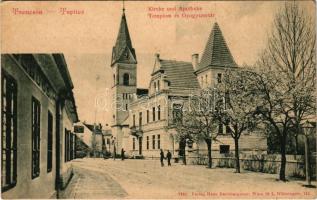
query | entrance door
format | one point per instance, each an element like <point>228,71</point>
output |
<point>140,145</point>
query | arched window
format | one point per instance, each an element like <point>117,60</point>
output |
<point>126,78</point>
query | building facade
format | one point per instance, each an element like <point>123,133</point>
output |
<point>38,111</point>
<point>142,117</point>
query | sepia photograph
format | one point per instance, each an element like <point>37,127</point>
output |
<point>158,99</point>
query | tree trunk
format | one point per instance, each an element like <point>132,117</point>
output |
<point>208,141</point>
<point>296,144</point>
<point>307,161</point>
<point>283,158</point>
<point>236,146</point>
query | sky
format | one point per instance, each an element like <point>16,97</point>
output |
<point>87,39</point>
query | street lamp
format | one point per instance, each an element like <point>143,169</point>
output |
<point>308,129</point>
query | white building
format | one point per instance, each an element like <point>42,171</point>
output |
<point>141,116</point>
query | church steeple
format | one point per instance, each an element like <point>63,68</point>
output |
<point>123,52</point>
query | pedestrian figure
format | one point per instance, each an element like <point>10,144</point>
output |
<point>162,158</point>
<point>114,153</point>
<point>169,156</point>
<point>122,154</point>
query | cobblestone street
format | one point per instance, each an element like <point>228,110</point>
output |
<point>98,178</point>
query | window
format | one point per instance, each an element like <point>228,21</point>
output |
<point>219,77</point>
<point>158,85</point>
<point>126,107</point>
<point>153,113</point>
<point>9,132</point>
<point>159,113</point>
<point>147,142</point>
<point>126,78</point>
<point>66,146</point>
<point>177,113</point>
<point>224,149</point>
<point>140,119</point>
<point>133,143</point>
<point>49,141</point>
<point>202,80</point>
<point>153,141</point>
<point>36,117</point>
<point>154,86</point>
<point>228,129</point>
<point>206,79</point>
<point>71,146</point>
<point>133,120</point>
<point>158,141</point>
<point>220,128</point>
<point>114,79</point>
<point>147,116</point>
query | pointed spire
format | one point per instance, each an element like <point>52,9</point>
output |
<point>123,50</point>
<point>123,9</point>
<point>216,52</point>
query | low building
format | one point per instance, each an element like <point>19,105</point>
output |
<point>38,111</point>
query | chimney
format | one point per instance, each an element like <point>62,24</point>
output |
<point>195,58</point>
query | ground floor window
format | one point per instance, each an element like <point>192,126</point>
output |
<point>36,137</point>
<point>158,141</point>
<point>9,132</point>
<point>224,149</point>
<point>153,141</point>
<point>49,141</point>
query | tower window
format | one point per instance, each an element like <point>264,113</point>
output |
<point>219,77</point>
<point>126,78</point>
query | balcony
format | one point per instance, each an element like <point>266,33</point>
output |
<point>136,131</point>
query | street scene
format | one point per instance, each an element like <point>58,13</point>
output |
<point>158,100</point>
<point>147,179</point>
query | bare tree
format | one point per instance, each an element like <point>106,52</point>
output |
<point>239,106</point>
<point>291,55</point>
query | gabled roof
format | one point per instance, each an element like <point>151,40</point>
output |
<point>123,50</point>
<point>180,74</point>
<point>216,52</point>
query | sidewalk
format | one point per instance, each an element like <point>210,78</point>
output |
<point>89,184</point>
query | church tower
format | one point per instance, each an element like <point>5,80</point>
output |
<point>124,72</point>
